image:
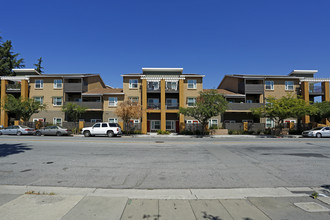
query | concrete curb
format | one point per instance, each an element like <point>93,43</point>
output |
<point>235,193</point>
<point>206,136</point>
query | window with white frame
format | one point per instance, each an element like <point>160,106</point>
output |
<point>270,123</point>
<point>269,85</point>
<point>155,125</point>
<point>153,103</point>
<point>57,101</point>
<point>189,121</point>
<point>213,123</point>
<point>39,84</point>
<point>134,99</point>
<point>58,84</point>
<point>133,83</point>
<point>39,99</point>
<point>172,86</point>
<point>153,85</point>
<point>170,125</point>
<point>288,85</point>
<point>192,84</point>
<point>191,102</point>
<point>113,120</point>
<point>136,121</point>
<point>113,101</point>
<point>57,121</point>
<point>172,103</point>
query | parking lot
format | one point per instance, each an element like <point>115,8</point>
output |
<point>163,162</point>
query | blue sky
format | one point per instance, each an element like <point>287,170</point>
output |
<point>207,37</point>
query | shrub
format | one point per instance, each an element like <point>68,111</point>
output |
<point>163,132</point>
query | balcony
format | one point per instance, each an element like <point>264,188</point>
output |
<point>316,90</point>
<point>243,106</point>
<point>254,88</point>
<point>153,106</point>
<point>89,105</point>
<point>13,88</point>
<point>74,87</point>
<point>172,106</point>
<point>153,89</point>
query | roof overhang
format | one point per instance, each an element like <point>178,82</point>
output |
<point>31,71</point>
<point>307,72</point>
<point>14,78</point>
<point>315,80</point>
<point>162,70</point>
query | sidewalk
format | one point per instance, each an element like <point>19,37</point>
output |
<point>173,135</point>
<point>171,204</point>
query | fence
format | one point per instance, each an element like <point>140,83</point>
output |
<point>240,126</point>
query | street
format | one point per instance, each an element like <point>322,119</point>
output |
<point>164,163</point>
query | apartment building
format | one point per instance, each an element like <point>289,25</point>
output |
<point>252,91</point>
<point>54,90</point>
<point>161,91</point>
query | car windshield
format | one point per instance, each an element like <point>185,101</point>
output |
<point>318,128</point>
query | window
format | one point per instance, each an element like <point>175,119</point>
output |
<point>134,99</point>
<point>192,84</point>
<point>39,99</point>
<point>270,123</point>
<point>269,85</point>
<point>104,125</point>
<point>57,84</point>
<point>213,123</point>
<point>153,103</point>
<point>288,85</point>
<point>133,83</point>
<point>136,121</point>
<point>171,103</point>
<point>189,121</point>
<point>96,120</point>
<point>170,125</point>
<point>113,101</point>
<point>230,121</point>
<point>39,84</point>
<point>155,125</point>
<point>57,121</point>
<point>191,102</point>
<point>154,85</point>
<point>57,101</point>
<point>249,101</point>
<point>97,126</point>
<point>171,86</point>
<point>113,120</point>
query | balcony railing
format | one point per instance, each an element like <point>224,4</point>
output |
<point>172,106</point>
<point>151,89</point>
<point>89,105</point>
<point>243,106</point>
<point>172,88</point>
<point>74,87</point>
<point>316,89</point>
<point>254,88</point>
<point>13,87</point>
<point>153,106</point>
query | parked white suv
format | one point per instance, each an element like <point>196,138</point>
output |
<point>102,128</point>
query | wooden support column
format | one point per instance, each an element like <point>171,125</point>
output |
<point>181,104</point>
<point>144,107</point>
<point>24,89</point>
<point>162,106</point>
<point>305,96</point>
<point>4,114</point>
<point>326,98</point>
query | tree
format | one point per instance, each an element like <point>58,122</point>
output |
<point>8,59</point>
<point>285,107</point>
<point>208,105</point>
<point>38,65</point>
<point>128,110</point>
<point>73,112</point>
<point>323,109</point>
<point>22,108</point>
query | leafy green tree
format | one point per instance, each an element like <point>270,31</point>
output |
<point>283,108</point>
<point>73,112</point>
<point>38,65</point>
<point>8,59</point>
<point>323,109</point>
<point>208,105</point>
<point>22,108</point>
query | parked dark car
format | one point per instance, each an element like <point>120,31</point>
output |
<point>17,130</point>
<point>53,130</point>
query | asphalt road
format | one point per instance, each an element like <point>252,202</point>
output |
<point>150,163</point>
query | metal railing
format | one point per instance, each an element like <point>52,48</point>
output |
<point>254,88</point>
<point>172,106</point>
<point>153,106</point>
<point>73,87</point>
<point>13,87</point>
<point>243,106</point>
<point>316,89</point>
<point>89,105</point>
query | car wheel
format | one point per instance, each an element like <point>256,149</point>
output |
<point>318,135</point>
<point>110,134</point>
<point>58,133</point>
<point>87,134</point>
<point>38,133</point>
<point>19,133</point>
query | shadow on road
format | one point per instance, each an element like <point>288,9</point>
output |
<point>9,149</point>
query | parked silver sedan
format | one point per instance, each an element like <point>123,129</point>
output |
<point>317,132</point>
<point>17,130</point>
<point>53,130</point>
